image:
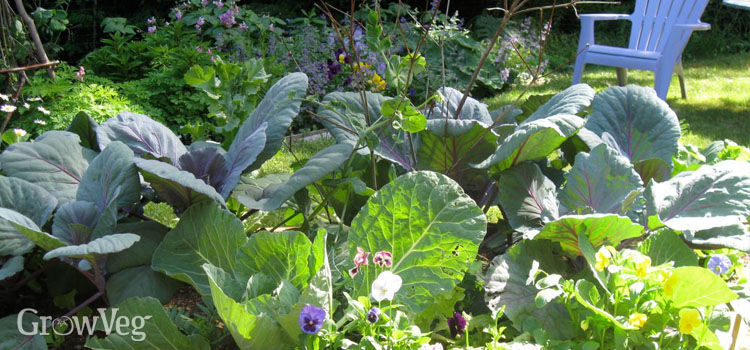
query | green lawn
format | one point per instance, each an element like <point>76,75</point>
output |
<point>717,106</point>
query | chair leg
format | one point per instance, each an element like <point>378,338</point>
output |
<point>578,71</point>
<point>661,83</point>
<point>681,76</point>
<point>622,76</point>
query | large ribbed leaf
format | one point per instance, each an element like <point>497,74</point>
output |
<point>572,100</point>
<point>241,154</point>
<point>250,328</point>
<point>85,127</point>
<point>446,109</point>
<point>510,283</point>
<point>527,197</point>
<point>432,228</point>
<point>75,222</point>
<point>206,164</point>
<point>343,114</point>
<point>143,135</point>
<point>532,141</point>
<point>104,245</point>
<point>140,281</point>
<point>111,178</point>
<point>277,109</point>
<point>13,240</point>
<point>285,256</point>
<point>159,331</point>
<point>28,200</point>
<point>601,229</point>
<point>600,181</point>
<point>177,187</point>
<point>12,338</point>
<point>55,161</point>
<point>11,266</point>
<point>734,236</point>
<point>712,196</point>
<point>320,165</point>
<point>449,146</point>
<point>665,246</point>
<point>205,234</point>
<point>638,123</point>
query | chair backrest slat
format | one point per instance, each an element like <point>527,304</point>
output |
<point>653,21</point>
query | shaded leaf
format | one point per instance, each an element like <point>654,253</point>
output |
<point>160,333</point>
<point>527,197</point>
<point>28,200</point>
<point>13,240</point>
<point>12,338</point>
<point>140,281</point>
<point>85,127</point>
<point>140,253</point>
<point>11,267</point>
<point>179,188</point>
<point>510,283</point>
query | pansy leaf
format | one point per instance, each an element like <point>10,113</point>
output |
<point>55,162</point>
<point>432,228</point>
<point>143,135</point>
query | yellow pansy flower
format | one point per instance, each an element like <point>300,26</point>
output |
<point>378,81</point>
<point>690,319</point>
<point>637,320</point>
<point>642,264</point>
<point>603,257</point>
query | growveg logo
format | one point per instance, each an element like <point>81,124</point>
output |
<point>85,325</point>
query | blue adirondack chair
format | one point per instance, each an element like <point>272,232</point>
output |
<point>660,31</point>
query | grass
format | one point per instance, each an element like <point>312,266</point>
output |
<point>718,96</point>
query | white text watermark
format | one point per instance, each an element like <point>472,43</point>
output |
<point>80,325</point>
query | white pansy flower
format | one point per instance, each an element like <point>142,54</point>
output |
<point>34,99</point>
<point>26,105</point>
<point>4,97</point>
<point>385,286</point>
<point>7,108</point>
<point>19,132</point>
<point>43,110</point>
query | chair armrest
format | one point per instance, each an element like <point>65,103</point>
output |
<point>604,16</point>
<point>696,26</point>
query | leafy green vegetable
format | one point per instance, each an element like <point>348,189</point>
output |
<point>601,229</point>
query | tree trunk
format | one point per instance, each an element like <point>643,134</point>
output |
<point>34,36</point>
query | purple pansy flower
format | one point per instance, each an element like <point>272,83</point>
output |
<point>719,264</point>
<point>457,324</point>
<point>373,315</point>
<point>151,29</point>
<point>311,319</point>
